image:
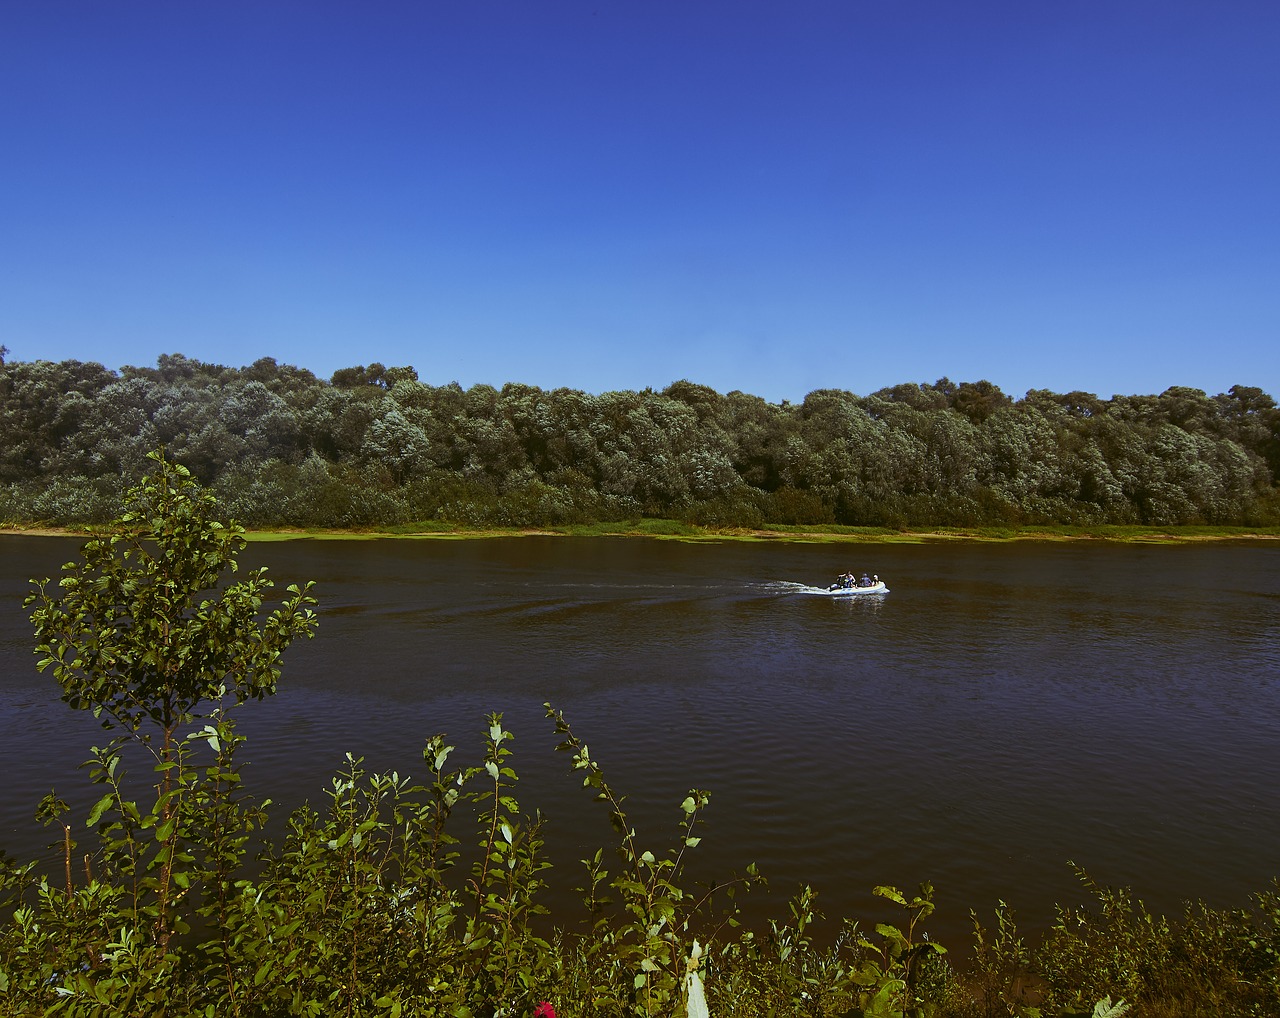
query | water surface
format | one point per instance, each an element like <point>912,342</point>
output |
<point>1005,709</point>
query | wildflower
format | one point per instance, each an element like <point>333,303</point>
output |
<point>544,1010</point>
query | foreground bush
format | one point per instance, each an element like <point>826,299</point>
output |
<point>376,906</point>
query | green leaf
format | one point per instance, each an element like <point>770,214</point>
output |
<point>99,808</point>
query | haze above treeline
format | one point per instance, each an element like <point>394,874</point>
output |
<point>375,446</point>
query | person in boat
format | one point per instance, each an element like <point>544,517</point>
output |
<point>865,581</point>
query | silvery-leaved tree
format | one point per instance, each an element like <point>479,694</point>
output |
<point>146,631</point>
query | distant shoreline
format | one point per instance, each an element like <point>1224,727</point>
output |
<point>677,531</point>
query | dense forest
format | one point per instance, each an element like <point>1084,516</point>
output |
<point>375,446</point>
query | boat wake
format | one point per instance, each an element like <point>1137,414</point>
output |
<point>790,587</point>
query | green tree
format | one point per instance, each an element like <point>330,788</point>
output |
<point>142,632</point>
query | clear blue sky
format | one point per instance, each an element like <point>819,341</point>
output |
<point>766,196</point>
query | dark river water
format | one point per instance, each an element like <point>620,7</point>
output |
<point>1005,709</point>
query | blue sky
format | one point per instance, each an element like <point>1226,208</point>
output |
<point>772,197</point>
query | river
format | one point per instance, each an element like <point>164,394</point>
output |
<point>1005,709</point>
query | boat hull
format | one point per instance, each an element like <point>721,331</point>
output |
<point>875,588</point>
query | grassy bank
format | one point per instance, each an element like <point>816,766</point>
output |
<point>803,533</point>
<point>678,530</point>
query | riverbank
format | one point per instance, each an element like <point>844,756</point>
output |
<point>810,534</point>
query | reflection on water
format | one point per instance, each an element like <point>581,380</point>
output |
<point>1006,708</point>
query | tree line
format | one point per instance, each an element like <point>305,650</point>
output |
<point>376,446</point>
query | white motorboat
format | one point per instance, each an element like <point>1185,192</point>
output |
<point>856,589</point>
